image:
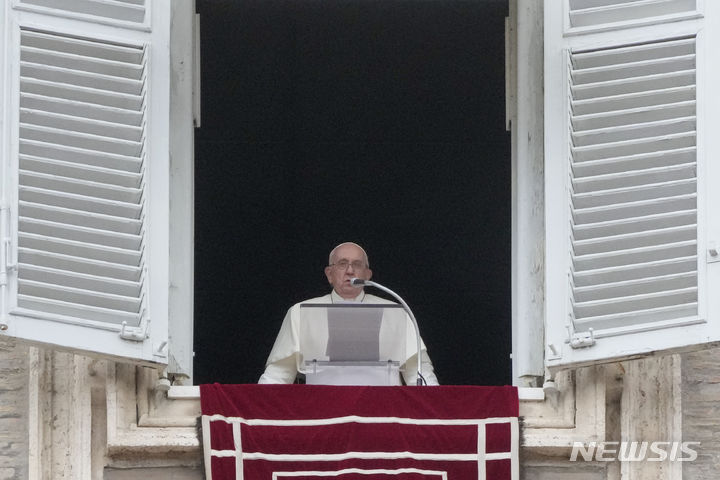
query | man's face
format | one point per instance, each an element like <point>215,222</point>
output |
<point>347,262</point>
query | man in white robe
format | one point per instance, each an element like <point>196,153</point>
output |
<point>346,261</point>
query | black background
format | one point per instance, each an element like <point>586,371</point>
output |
<point>378,122</point>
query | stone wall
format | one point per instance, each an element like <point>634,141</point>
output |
<point>154,474</point>
<point>701,412</point>
<point>614,412</point>
<point>13,410</point>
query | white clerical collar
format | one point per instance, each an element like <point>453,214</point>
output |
<point>338,299</point>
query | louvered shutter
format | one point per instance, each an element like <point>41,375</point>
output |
<point>81,187</point>
<point>633,185</point>
<point>86,190</point>
<point>625,181</point>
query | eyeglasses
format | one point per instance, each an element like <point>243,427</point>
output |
<point>343,264</point>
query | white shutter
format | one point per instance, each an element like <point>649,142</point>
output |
<point>625,188</point>
<point>81,189</point>
<point>634,187</point>
<point>86,176</point>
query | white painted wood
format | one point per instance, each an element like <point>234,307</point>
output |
<point>585,13</point>
<point>626,187</point>
<point>5,152</point>
<point>108,70</point>
<point>125,13</point>
<point>90,220</point>
<point>586,16</point>
<point>182,199</point>
<point>528,227</point>
<point>183,392</point>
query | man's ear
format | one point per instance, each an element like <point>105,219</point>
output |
<point>369,274</point>
<point>327,274</point>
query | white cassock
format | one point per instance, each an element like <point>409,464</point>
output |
<point>282,363</point>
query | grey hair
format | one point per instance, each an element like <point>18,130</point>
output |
<point>332,253</point>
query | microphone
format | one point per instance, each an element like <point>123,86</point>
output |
<point>359,282</point>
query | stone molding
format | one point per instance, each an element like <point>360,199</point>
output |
<point>87,415</point>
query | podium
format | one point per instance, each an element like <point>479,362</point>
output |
<point>353,343</point>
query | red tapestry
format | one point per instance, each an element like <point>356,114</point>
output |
<point>304,432</point>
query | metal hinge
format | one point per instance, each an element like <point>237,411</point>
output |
<point>713,252</point>
<point>135,334</point>
<point>6,263</point>
<point>579,339</point>
<point>582,339</point>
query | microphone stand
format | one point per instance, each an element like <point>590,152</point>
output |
<point>359,282</point>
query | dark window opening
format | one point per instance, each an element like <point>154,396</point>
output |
<point>379,122</point>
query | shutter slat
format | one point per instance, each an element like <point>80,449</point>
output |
<point>630,147</point>
<point>80,202</point>
<point>630,163</point>
<point>80,281</point>
<point>637,69</point>
<point>633,256</point>
<point>621,133</point>
<point>74,108</point>
<point>78,125</point>
<point>81,140</point>
<point>634,224</point>
<point>82,63</point>
<point>122,10</point>
<point>634,287</point>
<point>640,302</point>
<point>632,177</point>
<point>637,319</point>
<point>83,265</point>
<point>79,296</point>
<point>619,211</point>
<point>80,78</point>
<point>633,53</point>
<point>635,240</point>
<point>635,100</point>
<point>74,217</point>
<point>86,188</point>
<point>94,96</point>
<point>683,188</point>
<point>73,311</point>
<point>625,86</point>
<point>87,48</point>
<point>594,13</point>
<point>656,268</point>
<point>80,249</point>
<point>593,121</point>
<point>81,172</point>
<point>83,234</point>
<point>80,156</point>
